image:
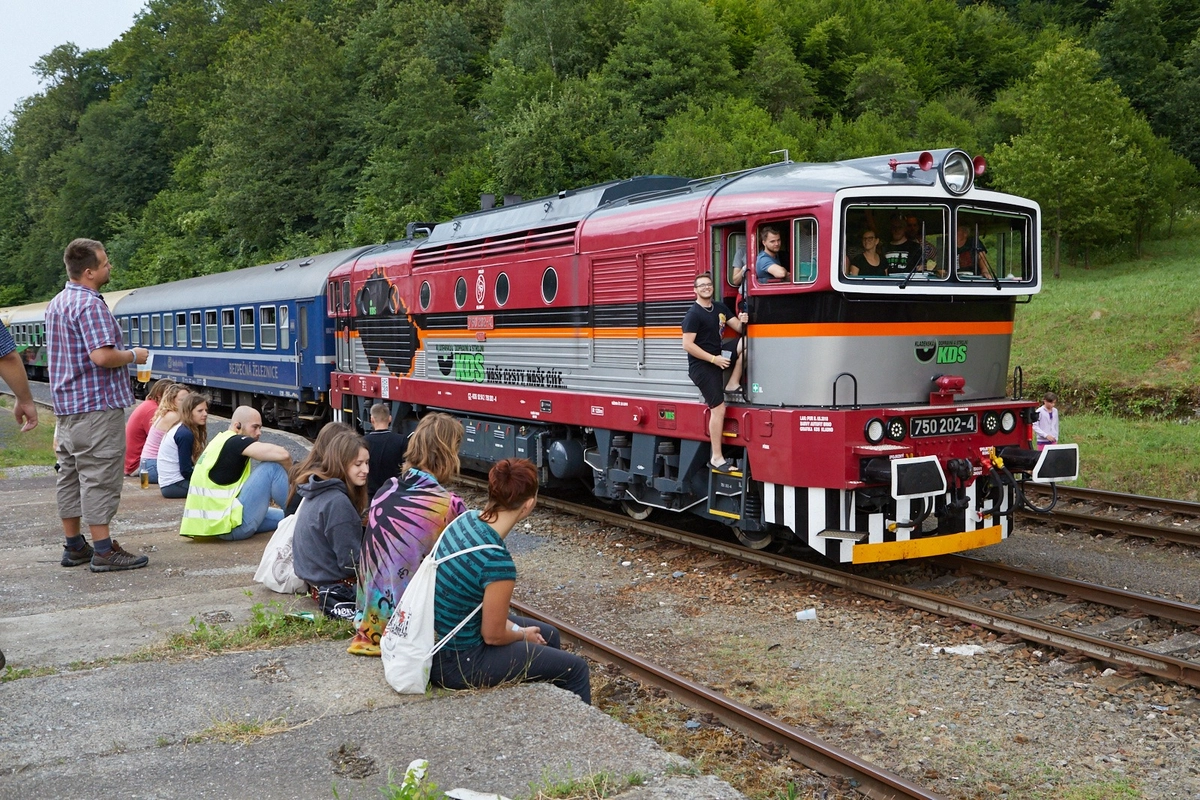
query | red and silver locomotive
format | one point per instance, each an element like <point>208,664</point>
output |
<point>875,423</point>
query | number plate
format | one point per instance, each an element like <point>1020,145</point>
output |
<point>949,425</point>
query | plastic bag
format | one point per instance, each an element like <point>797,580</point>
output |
<point>275,570</point>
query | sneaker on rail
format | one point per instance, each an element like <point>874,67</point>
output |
<point>117,559</point>
<point>75,558</point>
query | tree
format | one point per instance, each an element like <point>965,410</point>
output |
<point>1074,155</point>
<point>730,134</point>
<point>674,52</point>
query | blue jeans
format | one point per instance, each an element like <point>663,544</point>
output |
<point>268,481</point>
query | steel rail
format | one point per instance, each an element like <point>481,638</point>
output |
<point>870,780</point>
<point>1121,655</point>
<point>1122,499</point>
<point>1119,526</point>
<point>1184,613</point>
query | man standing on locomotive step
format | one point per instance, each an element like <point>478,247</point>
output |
<point>702,326</point>
<point>89,385</point>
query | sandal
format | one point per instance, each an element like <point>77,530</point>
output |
<point>725,466</point>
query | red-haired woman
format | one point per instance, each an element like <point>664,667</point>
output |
<point>495,647</point>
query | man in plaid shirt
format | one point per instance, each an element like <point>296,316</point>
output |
<point>89,384</point>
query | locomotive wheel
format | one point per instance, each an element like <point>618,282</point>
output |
<point>755,540</point>
<point>636,510</point>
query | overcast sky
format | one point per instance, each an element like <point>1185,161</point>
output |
<point>31,28</point>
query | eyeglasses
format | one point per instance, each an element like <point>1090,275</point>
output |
<point>703,285</point>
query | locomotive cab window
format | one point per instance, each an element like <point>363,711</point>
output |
<point>729,257</point>
<point>804,253</point>
<point>992,246</point>
<point>895,243</point>
<point>772,262</point>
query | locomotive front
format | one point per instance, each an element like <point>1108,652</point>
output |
<point>899,346</point>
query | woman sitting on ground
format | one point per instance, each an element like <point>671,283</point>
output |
<point>405,520</point>
<point>165,418</point>
<point>138,425</point>
<point>182,446</point>
<point>329,531</point>
<point>301,471</point>
<point>494,647</point>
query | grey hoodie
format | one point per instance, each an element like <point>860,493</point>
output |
<point>328,535</point>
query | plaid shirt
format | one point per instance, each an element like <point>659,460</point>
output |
<point>78,322</point>
<point>7,345</point>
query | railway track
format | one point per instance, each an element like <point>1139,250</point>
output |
<point>828,760</point>
<point>1116,611</point>
<point>1175,521</point>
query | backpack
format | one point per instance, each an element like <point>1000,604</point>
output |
<point>275,570</point>
<point>407,646</point>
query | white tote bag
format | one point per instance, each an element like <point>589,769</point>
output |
<point>407,646</point>
<point>275,570</point>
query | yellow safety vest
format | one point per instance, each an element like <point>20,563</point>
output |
<point>210,508</point>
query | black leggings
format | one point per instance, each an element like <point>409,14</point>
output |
<point>490,665</point>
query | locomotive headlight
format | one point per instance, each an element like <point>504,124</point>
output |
<point>991,423</point>
<point>1008,421</point>
<point>958,172</point>
<point>874,430</point>
<point>896,429</point>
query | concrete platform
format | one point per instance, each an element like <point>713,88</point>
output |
<point>146,729</point>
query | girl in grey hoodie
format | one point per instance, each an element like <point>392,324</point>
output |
<point>329,524</point>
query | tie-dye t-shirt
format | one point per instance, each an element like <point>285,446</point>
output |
<point>405,520</point>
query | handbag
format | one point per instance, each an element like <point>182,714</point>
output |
<point>407,647</point>
<point>275,570</point>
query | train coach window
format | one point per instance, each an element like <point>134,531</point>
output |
<point>168,330</point>
<point>228,330</point>
<point>501,289</point>
<point>156,331</point>
<point>124,323</point>
<point>285,340</point>
<point>460,292</point>
<point>992,245</point>
<point>247,315</point>
<point>181,329</point>
<point>895,242</point>
<point>426,295</point>
<point>146,330</point>
<point>804,250</point>
<point>266,327</point>
<point>197,338</point>
<point>135,331</point>
<point>302,328</point>
<point>210,329</point>
<point>549,285</point>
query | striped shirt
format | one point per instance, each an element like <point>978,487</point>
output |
<point>461,581</point>
<point>78,322</point>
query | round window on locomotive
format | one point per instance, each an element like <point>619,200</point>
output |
<point>426,295</point>
<point>549,285</point>
<point>501,289</point>
<point>460,292</point>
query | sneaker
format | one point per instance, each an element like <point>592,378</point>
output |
<point>74,558</point>
<point>117,559</point>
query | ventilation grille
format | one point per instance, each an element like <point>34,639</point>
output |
<point>509,244</point>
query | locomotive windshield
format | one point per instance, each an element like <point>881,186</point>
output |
<point>909,243</point>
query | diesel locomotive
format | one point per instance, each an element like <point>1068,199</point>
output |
<point>876,421</point>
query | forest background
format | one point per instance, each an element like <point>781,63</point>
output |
<point>217,135</point>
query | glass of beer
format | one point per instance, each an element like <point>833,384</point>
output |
<point>143,370</point>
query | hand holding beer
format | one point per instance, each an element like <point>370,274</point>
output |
<point>144,359</point>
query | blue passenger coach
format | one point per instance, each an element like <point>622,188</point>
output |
<point>257,336</point>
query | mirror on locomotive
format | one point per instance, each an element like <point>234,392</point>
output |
<point>992,246</point>
<point>895,242</point>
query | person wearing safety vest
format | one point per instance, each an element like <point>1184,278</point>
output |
<point>226,498</point>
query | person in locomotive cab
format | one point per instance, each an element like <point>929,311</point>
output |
<point>228,500</point>
<point>702,326</point>
<point>916,232</point>
<point>900,254</point>
<point>767,267</point>
<point>971,254</point>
